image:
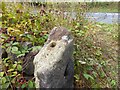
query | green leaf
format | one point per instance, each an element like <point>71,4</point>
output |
<point>7,44</point>
<point>20,55</point>
<point>15,43</point>
<point>102,74</point>
<point>19,68</point>
<point>30,37</point>
<point>95,74</point>
<point>3,80</point>
<point>3,36</point>
<point>77,77</point>
<point>17,52</point>
<point>10,70</point>
<point>23,85</point>
<point>87,76</point>
<point>113,82</point>
<point>6,85</point>
<point>1,74</point>
<point>14,49</point>
<point>30,84</point>
<point>14,66</point>
<point>9,49</point>
<point>14,73</point>
<point>36,48</point>
<point>24,51</point>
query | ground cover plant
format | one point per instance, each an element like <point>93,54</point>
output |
<point>109,7</point>
<point>95,54</point>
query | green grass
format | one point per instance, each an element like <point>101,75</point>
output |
<point>104,9</point>
<point>111,7</point>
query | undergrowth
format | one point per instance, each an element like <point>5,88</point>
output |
<point>91,65</point>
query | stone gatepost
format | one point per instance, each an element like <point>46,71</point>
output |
<point>54,66</point>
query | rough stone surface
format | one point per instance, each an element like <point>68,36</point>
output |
<point>54,67</point>
<point>28,67</point>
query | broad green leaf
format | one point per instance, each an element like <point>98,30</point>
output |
<point>14,49</point>
<point>30,84</point>
<point>1,74</point>
<point>6,85</point>
<point>3,80</point>
<point>19,68</point>
<point>23,85</point>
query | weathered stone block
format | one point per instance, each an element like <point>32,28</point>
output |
<point>54,67</point>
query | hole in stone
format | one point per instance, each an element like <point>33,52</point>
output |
<point>53,44</point>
